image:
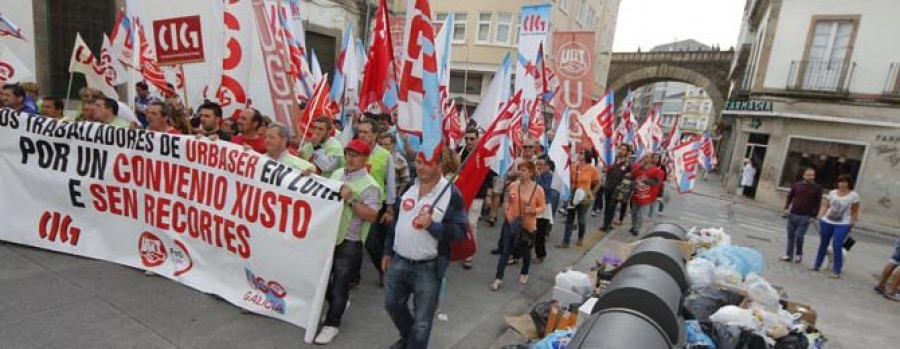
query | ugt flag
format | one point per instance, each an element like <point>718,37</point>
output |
<point>686,158</point>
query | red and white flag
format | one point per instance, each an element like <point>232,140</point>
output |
<point>419,108</point>
<point>488,152</point>
<point>122,40</point>
<point>12,70</point>
<point>379,70</point>
<point>674,137</point>
<point>83,61</point>
<point>561,154</point>
<point>147,61</point>
<point>232,93</point>
<point>453,129</point>
<point>318,105</point>
<point>598,125</point>
<point>113,70</point>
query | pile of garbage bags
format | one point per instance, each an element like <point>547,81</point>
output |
<point>732,306</point>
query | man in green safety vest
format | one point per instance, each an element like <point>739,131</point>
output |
<point>322,149</point>
<point>362,198</point>
<point>381,167</point>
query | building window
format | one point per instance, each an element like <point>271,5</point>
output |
<point>461,83</point>
<point>504,24</point>
<point>438,22</point>
<point>828,48</point>
<point>459,27</point>
<point>830,158</point>
<point>564,6</point>
<point>484,26</point>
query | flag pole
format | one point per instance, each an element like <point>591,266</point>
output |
<point>68,93</point>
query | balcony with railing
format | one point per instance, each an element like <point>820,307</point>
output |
<point>892,82</point>
<point>829,77</point>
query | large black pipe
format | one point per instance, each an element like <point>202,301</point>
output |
<point>667,231</point>
<point>619,328</point>
<point>648,290</point>
<point>661,253</point>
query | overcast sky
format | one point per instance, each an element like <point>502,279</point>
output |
<point>647,23</point>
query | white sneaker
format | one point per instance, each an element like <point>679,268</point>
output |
<point>442,317</point>
<point>326,335</point>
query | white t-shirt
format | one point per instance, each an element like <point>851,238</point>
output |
<point>839,206</point>
<point>747,174</point>
<point>418,244</point>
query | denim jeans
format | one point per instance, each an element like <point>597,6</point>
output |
<point>836,234</point>
<point>508,248</point>
<point>420,280</point>
<point>581,211</point>
<point>344,269</point>
<point>796,230</point>
<point>638,212</point>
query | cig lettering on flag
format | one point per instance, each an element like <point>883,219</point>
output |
<point>206,76</point>
<point>419,110</point>
<point>686,158</point>
<point>534,29</point>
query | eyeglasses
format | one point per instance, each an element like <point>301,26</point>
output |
<point>471,138</point>
<point>528,147</point>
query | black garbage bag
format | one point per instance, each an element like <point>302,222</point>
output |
<point>540,313</point>
<point>735,337</point>
<point>705,301</point>
<point>793,340</point>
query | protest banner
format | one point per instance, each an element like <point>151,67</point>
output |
<point>204,213</point>
<point>573,56</point>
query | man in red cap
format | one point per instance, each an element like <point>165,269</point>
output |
<point>362,199</point>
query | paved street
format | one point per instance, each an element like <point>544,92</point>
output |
<point>55,300</point>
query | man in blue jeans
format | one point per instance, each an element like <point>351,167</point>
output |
<point>417,252</point>
<point>361,202</point>
<point>803,201</point>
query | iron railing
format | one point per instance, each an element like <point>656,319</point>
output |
<point>821,76</point>
<point>892,81</point>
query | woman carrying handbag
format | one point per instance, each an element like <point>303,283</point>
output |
<point>524,200</point>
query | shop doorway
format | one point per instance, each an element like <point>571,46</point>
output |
<point>757,145</point>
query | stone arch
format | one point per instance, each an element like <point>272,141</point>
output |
<point>665,72</point>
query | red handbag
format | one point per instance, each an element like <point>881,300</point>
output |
<point>465,247</point>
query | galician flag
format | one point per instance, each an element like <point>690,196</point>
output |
<point>598,125</point>
<point>686,159</point>
<point>419,108</point>
<point>561,154</point>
